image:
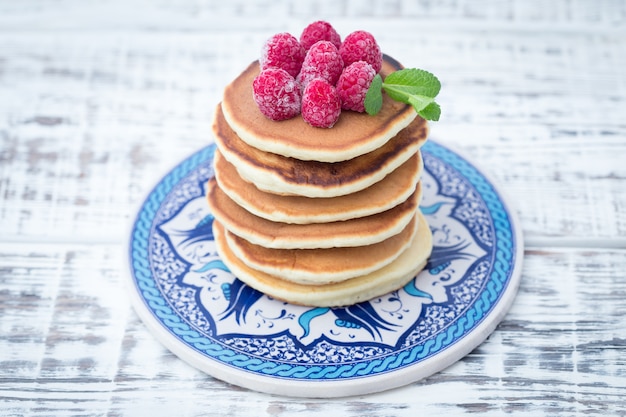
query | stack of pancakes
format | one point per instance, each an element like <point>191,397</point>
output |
<point>319,217</point>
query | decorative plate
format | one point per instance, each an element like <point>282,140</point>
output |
<point>201,312</point>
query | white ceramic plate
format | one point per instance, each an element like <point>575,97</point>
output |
<point>202,313</point>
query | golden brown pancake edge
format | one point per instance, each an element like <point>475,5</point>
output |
<point>392,190</point>
<point>354,232</point>
<point>352,291</point>
<point>290,176</point>
<point>322,266</point>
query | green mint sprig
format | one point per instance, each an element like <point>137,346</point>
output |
<point>411,86</point>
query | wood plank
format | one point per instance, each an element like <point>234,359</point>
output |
<point>185,15</point>
<point>69,341</point>
<point>92,122</point>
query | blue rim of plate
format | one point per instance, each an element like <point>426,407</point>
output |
<point>439,317</point>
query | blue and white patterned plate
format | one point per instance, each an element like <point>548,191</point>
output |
<point>205,315</point>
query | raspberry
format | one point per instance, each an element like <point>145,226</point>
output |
<point>319,31</point>
<point>353,84</point>
<point>361,46</point>
<point>284,51</point>
<point>321,106</point>
<point>321,61</point>
<point>277,94</point>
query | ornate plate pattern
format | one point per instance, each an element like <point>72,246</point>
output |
<point>202,313</point>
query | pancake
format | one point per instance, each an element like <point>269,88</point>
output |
<point>382,281</point>
<point>354,133</point>
<point>354,232</point>
<point>321,266</point>
<point>278,174</point>
<point>383,195</point>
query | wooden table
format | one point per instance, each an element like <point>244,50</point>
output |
<point>98,100</point>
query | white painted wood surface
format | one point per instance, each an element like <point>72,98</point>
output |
<point>98,99</point>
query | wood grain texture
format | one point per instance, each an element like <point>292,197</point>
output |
<point>70,342</point>
<point>97,119</point>
<point>99,99</point>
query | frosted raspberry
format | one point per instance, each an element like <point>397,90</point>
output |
<point>277,94</point>
<point>284,51</point>
<point>321,106</point>
<point>361,46</point>
<point>319,31</point>
<point>321,61</point>
<point>353,84</point>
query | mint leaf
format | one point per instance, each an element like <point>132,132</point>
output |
<point>411,86</point>
<point>414,81</point>
<point>418,102</point>
<point>374,96</point>
<point>431,112</point>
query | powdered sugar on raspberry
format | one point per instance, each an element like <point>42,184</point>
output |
<point>361,46</point>
<point>353,84</point>
<point>284,51</point>
<point>277,94</point>
<point>319,31</point>
<point>321,106</point>
<point>317,76</point>
<point>321,61</point>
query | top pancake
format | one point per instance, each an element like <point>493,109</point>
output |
<point>354,133</point>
